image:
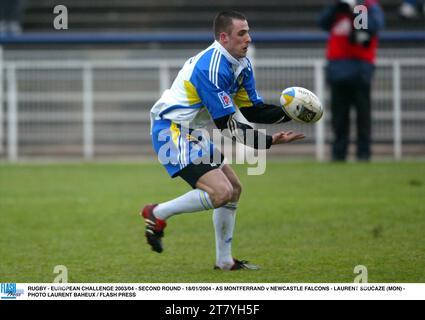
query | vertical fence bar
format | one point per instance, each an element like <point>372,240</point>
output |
<point>88,137</point>
<point>397,110</point>
<point>164,77</point>
<point>319,83</point>
<point>12,116</point>
<point>1,100</point>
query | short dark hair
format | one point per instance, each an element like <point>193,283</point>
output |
<point>223,21</point>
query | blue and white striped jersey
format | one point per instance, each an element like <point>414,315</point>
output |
<point>209,86</point>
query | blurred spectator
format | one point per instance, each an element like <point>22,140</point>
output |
<point>411,9</point>
<point>10,16</point>
<point>351,55</point>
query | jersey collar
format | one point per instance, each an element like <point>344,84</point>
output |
<point>238,63</point>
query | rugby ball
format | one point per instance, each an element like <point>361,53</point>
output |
<point>301,105</point>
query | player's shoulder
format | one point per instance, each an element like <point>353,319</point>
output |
<point>213,61</point>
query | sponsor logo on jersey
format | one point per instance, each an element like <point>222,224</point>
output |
<point>225,99</point>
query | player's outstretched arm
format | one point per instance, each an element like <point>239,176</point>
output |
<point>286,137</point>
<point>239,131</point>
<point>265,113</point>
<point>243,133</point>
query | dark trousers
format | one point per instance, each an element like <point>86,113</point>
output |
<point>343,96</point>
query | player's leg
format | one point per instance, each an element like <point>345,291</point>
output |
<point>234,180</point>
<point>212,190</point>
<point>174,151</point>
<point>224,219</point>
<point>170,144</point>
<point>224,189</point>
<point>218,187</point>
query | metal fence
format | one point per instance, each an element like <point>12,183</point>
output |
<point>96,104</point>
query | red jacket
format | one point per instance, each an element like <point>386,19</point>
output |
<point>341,48</point>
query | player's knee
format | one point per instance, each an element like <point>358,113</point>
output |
<point>221,196</point>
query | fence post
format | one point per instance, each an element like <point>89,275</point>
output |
<point>88,138</point>
<point>12,116</point>
<point>397,109</point>
<point>1,100</point>
<point>319,83</point>
<point>164,77</point>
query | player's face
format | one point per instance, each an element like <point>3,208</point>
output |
<point>238,40</point>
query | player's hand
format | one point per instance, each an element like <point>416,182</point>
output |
<point>286,136</point>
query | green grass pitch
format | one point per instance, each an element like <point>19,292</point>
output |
<point>300,221</point>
